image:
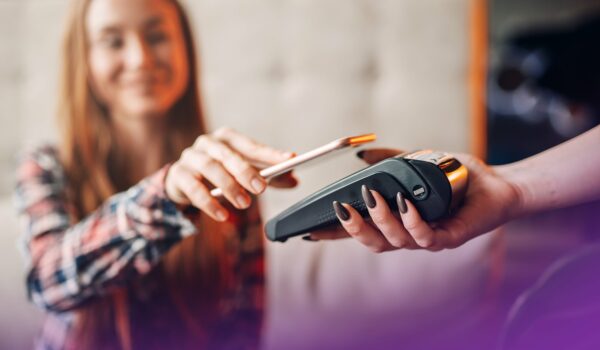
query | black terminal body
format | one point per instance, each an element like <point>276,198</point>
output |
<point>434,182</point>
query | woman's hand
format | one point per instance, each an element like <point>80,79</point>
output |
<point>490,201</point>
<point>228,160</point>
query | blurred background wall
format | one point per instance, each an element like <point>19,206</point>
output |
<point>545,39</point>
<point>29,33</point>
<point>294,74</point>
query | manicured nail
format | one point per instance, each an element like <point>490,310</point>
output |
<point>242,201</point>
<point>361,154</point>
<point>257,184</point>
<point>221,215</point>
<point>401,203</point>
<point>309,238</point>
<point>340,211</point>
<point>368,197</point>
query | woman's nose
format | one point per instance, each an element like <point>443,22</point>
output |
<point>138,54</point>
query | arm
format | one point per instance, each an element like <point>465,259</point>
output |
<point>565,175</point>
<point>129,233</point>
<point>71,262</point>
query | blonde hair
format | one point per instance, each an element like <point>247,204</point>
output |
<point>85,150</point>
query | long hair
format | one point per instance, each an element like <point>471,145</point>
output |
<point>85,150</point>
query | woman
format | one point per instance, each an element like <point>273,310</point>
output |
<point>118,253</point>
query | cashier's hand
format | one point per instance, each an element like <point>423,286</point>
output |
<point>489,202</point>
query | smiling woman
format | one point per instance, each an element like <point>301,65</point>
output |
<point>126,247</point>
<point>137,56</point>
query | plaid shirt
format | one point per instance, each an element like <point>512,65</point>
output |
<point>71,263</point>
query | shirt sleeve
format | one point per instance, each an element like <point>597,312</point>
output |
<point>69,263</point>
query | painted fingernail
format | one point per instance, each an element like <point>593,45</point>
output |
<point>368,197</point>
<point>401,203</point>
<point>309,238</point>
<point>340,211</point>
<point>221,215</point>
<point>257,184</point>
<point>361,154</point>
<point>242,201</point>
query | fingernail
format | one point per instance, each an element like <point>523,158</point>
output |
<point>221,215</point>
<point>426,243</point>
<point>289,154</point>
<point>368,197</point>
<point>340,211</point>
<point>242,201</point>
<point>401,203</point>
<point>257,184</point>
<point>361,154</point>
<point>309,238</point>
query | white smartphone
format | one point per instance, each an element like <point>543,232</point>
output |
<point>285,166</point>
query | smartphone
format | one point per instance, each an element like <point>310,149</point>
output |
<point>285,166</point>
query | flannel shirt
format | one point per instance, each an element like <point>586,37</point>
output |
<point>72,263</point>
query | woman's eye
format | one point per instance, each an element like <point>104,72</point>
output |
<point>156,37</point>
<point>113,42</point>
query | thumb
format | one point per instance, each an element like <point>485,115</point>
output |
<point>374,155</point>
<point>285,180</point>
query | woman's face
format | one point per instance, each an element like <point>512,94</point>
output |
<point>137,56</point>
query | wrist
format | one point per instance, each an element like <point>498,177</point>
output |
<point>513,175</point>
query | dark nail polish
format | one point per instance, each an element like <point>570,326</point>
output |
<point>368,197</point>
<point>309,238</point>
<point>340,211</point>
<point>361,154</point>
<point>401,203</point>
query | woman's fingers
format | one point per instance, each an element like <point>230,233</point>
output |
<point>420,230</point>
<point>203,165</point>
<point>195,192</point>
<point>256,154</point>
<point>225,160</point>
<point>251,149</point>
<point>389,225</point>
<point>388,232</point>
<point>356,227</point>
<point>245,174</point>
